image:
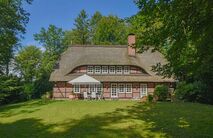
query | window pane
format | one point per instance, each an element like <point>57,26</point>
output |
<point>97,69</point>
<point>90,69</point>
<point>76,88</point>
<point>119,70</point>
<point>112,69</point>
<point>128,88</point>
<point>126,70</point>
<point>104,69</point>
<point>121,88</point>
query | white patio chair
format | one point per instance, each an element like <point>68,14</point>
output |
<point>85,95</point>
<point>93,95</point>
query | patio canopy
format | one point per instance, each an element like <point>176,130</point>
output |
<point>84,79</point>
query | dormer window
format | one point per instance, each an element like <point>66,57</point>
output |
<point>119,70</point>
<point>90,69</point>
<point>112,69</point>
<point>104,69</point>
<point>126,70</point>
<point>97,69</point>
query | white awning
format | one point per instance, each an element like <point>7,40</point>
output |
<point>84,79</point>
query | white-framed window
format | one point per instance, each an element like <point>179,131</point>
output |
<point>112,69</point>
<point>126,70</point>
<point>119,70</point>
<point>90,69</point>
<point>97,69</point>
<point>114,92</point>
<point>143,89</point>
<point>76,88</point>
<point>128,88</point>
<point>121,88</point>
<point>104,69</point>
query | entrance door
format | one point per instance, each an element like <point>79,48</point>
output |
<point>114,92</point>
<point>143,90</point>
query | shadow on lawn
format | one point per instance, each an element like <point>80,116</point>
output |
<point>136,121</point>
<point>25,107</point>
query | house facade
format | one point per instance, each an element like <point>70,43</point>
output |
<point>109,71</point>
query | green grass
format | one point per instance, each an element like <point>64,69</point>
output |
<point>105,119</point>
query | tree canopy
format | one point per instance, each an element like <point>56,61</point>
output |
<point>182,30</point>
<point>13,19</point>
<point>28,62</point>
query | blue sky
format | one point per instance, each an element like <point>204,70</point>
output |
<point>63,12</point>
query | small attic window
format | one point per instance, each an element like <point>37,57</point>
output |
<point>126,70</point>
<point>119,70</point>
<point>112,69</point>
<point>90,69</point>
<point>97,69</point>
<point>104,69</point>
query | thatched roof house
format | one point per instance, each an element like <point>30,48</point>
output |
<point>111,65</point>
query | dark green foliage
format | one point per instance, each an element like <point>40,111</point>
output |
<point>193,92</point>
<point>28,90</point>
<point>11,89</point>
<point>54,43</point>
<point>110,30</point>
<point>51,39</point>
<point>182,31</point>
<point>162,92</point>
<point>98,30</point>
<point>13,19</point>
<point>42,85</point>
<point>81,30</point>
<point>150,98</point>
<point>28,61</point>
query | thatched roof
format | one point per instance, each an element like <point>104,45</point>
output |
<point>107,55</point>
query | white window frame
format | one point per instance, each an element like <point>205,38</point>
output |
<point>119,70</point>
<point>105,70</point>
<point>143,89</point>
<point>127,88</point>
<point>116,90</point>
<point>119,86</point>
<point>97,69</point>
<point>74,88</point>
<point>112,72</point>
<point>90,69</point>
<point>126,70</point>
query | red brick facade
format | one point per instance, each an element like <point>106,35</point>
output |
<point>65,90</point>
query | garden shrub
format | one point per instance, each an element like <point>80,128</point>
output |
<point>161,92</point>
<point>192,92</point>
<point>28,90</point>
<point>150,98</point>
<point>11,89</point>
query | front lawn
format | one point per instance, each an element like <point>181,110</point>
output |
<point>105,119</point>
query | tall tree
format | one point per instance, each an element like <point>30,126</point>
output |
<point>13,19</point>
<point>51,39</point>
<point>81,31</point>
<point>110,30</point>
<point>28,62</point>
<point>183,30</point>
<point>93,25</point>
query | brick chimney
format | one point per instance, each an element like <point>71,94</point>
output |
<point>131,45</point>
